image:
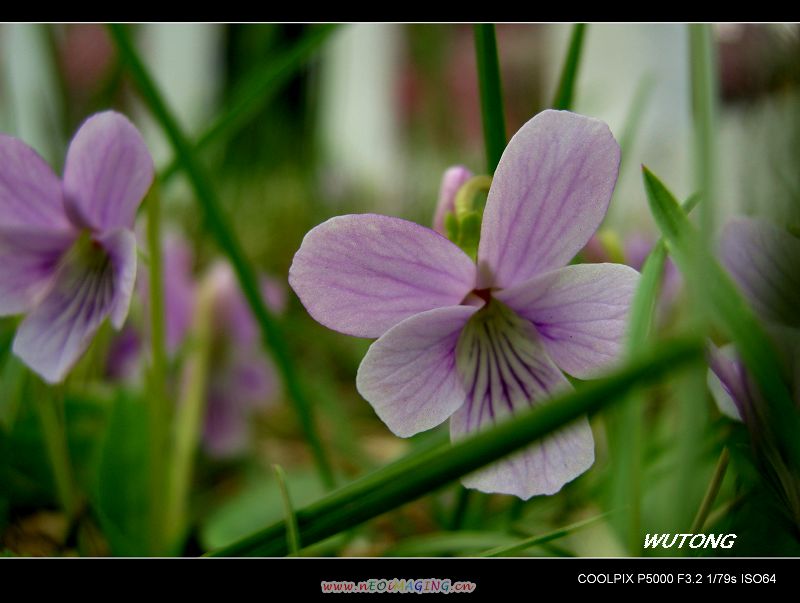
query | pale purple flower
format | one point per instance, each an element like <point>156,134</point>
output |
<point>67,248</point>
<point>476,343</point>
<point>763,259</point>
<point>242,378</point>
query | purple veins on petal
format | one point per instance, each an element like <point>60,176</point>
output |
<point>28,261</point>
<point>581,312</point>
<point>58,330</point>
<point>363,274</point>
<point>506,369</point>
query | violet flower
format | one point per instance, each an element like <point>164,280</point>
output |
<point>763,260</point>
<point>243,378</point>
<point>477,343</point>
<point>67,248</point>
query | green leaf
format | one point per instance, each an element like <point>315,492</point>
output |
<point>119,494</point>
<point>569,72</point>
<point>421,473</point>
<point>718,298</point>
<point>258,502</point>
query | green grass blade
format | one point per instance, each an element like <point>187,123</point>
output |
<point>292,533</point>
<point>719,299</point>
<point>523,545</point>
<point>704,102</point>
<point>409,479</point>
<point>628,439</point>
<point>216,220</point>
<point>569,72</point>
<point>449,543</point>
<point>258,88</point>
<point>491,93</point>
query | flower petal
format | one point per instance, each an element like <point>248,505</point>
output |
<point>107,172</point>
<point>506,370</point>
<point>55,334</point>
<point>725,380</point>
<point>409,374</point>
<point>581,312</point>
<point>453,179</point>
<point>363,274</point>
<point>30,193</point>
<point>549,194</point>
<point>763,259</point>
<point>226,432</point>
<point>28,260</point>
<point>121,248</point>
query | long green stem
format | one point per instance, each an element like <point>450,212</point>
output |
<point>711,494</point>
<point>409,478</point>
<point>159,413</point>
<point>518,547</point>
<point>491,93</point>
<point>188,422</point>
<point>292,532</point>
<point>569,72</point>
<point>628,440</point>
<point>271,331</point>
<point>704,94</point>
<point>52,421</point>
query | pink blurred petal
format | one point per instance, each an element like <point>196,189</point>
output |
<point>453,179</point>
<point>30,193</point>
<point>763,259</point>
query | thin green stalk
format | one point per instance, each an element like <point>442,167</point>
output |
<point>626,484</point>
<point>271,331</point>
<point>491,93</point>
<point>460,509</point>
<point>523,545</point>
<point>633,120</point>
<point>49,408</point>
<point>711,494</point>
<point>292,532</point>
<point>159,413</point>
<point>704,95</point>
<point>569,72</point>
<point>410,478</point>
<point>188,422</point>
<point>258,88</point>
